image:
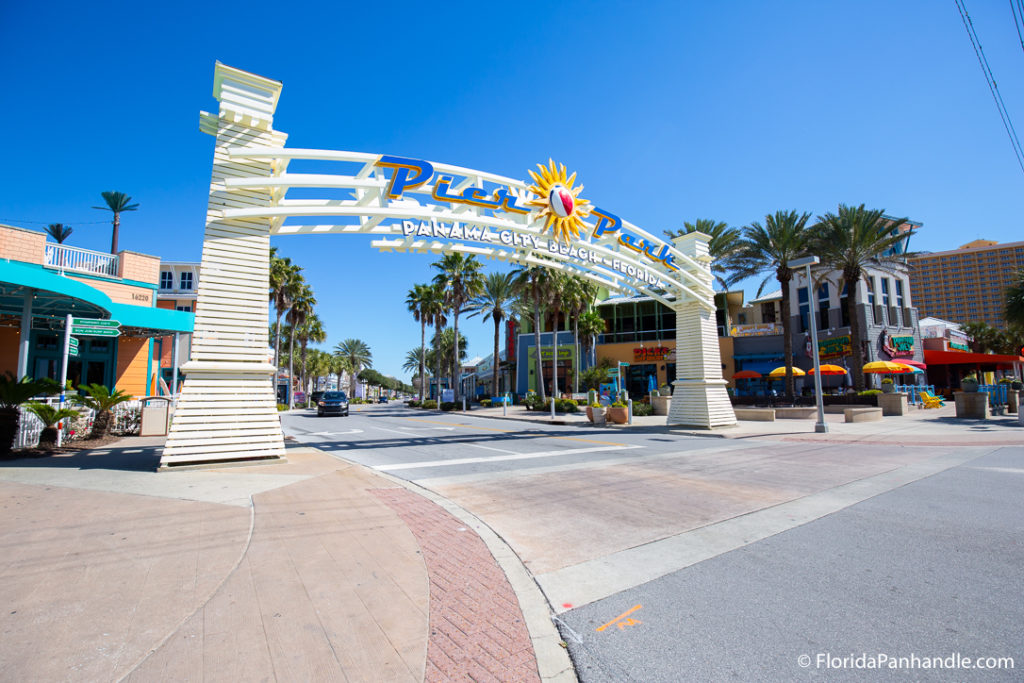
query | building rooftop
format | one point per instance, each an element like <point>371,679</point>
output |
<point>976,245</point>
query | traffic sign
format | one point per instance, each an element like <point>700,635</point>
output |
<point>96,331</point>
<point>94,322</point>
<point>73,346</point>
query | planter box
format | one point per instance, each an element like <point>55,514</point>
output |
<point>596,415</point>
<point>661,404</point>
<point>893,404</point>
<point>617,415</point>
<point>972,405</point>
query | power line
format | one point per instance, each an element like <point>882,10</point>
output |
<point>1018,19</point>
<point>18,220</point>
<point>1018,151</point>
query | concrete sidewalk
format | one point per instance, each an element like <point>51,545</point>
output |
<point>314,569</point>
<point>919,427</point>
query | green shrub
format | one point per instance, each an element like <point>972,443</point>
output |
<point>413,403</point>
<point>618,404</point>
<point>642,409</point>
<point>566,405</point>
<point>533,402</point>
<point>429,404</point>
<point>869,392</point>
<point>281,407</point>
<point>449,405</point>
<point>485,403</point>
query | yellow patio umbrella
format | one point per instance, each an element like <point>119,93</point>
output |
<point>884,367</point>
<point>828,369</point>
<point>781,372</point>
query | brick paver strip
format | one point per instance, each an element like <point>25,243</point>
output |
<point>477,630</point>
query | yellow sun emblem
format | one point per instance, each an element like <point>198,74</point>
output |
<point>558,202</point>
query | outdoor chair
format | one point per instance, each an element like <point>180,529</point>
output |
<point>932,401</point>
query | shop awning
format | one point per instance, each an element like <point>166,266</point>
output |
<point>54,295</point>
<point>146,318</point>
<point>936,357</point>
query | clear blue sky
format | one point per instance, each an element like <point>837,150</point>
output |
<point>668,111</point>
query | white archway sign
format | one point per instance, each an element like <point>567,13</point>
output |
<point>227,408</point>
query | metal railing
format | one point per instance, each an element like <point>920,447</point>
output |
<point>125,422</point>
<point>996,393</point>
<point>80,260</point>
<point>914,391</point>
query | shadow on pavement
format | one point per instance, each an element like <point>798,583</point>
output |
<point>125,458</point>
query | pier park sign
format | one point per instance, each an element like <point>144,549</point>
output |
<point>227,408</point>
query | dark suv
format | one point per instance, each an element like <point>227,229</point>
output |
<point>332,403</point>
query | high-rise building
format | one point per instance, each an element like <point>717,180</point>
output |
<point>966,284</point>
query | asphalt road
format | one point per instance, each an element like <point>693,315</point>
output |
<point>930,569</point>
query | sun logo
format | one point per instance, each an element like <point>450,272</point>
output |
<point>558,202</point>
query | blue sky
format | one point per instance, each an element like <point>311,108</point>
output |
<point>668,112</point>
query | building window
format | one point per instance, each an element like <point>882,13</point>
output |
<point>166,279</point>
<point>188,308</point>
<point>803,299</point>
<point>186,279</point>
<point>768,312</point>
<point>844,310</point>
<point>885,292</point>
<point>823,307</point>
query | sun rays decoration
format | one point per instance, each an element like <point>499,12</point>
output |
<point>558,202</point>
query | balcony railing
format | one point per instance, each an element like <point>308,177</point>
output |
<point>80,260</point>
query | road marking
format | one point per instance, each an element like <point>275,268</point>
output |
<point>488,448</point>
<point>396,431</point>
<point>1005,470</point>
<point>507,431</point>
<point>621,620</point>
<point>500,458</point>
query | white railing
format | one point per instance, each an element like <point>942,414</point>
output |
<point>80,260</point>
<point>125,423</point>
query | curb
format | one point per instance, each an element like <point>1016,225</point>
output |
<point>553,661</point>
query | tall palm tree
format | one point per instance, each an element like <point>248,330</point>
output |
<point>117,203</point>
<point>310,331</point>
<point>1014,312</point>
<point>434,311</point>
<point>461,278</point>
<point>494,303</point>
<point>444,347</point>
<point>415,360</point>
<point>340,365</point>
<point>358,356</point>
<point>320,365</point>
<point>555,292</point>
<point>285,277</point>
<point>59,232</point>
<point>591,324</point>
<point>579,296</point>
<point>723,248</point>
<point>302,306</point>
<point>418,302</point>
<point>849,241</point>
<point>767,249</point>
<point>530,284</point>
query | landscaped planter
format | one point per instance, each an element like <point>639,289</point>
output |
<point>596,415</point>
<point>661,404</point>
<point>617,415</point>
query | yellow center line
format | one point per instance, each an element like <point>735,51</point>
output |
<point>619,618</point>
<point>508,431</point>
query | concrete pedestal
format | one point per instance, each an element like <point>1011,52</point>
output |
<point>1013,401</point>
<point>972,405</point>
<point>893,404</point>
<point>661,404</point>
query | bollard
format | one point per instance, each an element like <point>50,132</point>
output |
<point>463,404</point>
<point>552,407</point>
<point>504,407</point>
<point>629,411</point>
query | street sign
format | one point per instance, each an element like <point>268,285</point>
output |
<point>94,322</point>
<point>96,331</point>
<point>73,346</point>
<point>613,372</point>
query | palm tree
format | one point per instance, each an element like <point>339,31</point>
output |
<point>1014,313</point>
<point>310,331</point>
<point>418,301</point>
<point>102,400</point>
<point>444,347</point>
<point>285,278</point>
<point>555,293</point>
<point>49,416</point>
<point>984,337</point>
<point>849,241</point>
<point>530,284</point>
<point>117,203</point>
<point>494,303</point>
<point>723,248</point>
<point>59,232</point>
<point>768,248</point>
<point>303,302</point>
<point>591,324</point>
<point>461,279</point>
<point>320,364</point>
<point>415,359</point>
<point>434,310</point>
<point>357,356</point>
<point>339,366</point>
<point>579,295</point>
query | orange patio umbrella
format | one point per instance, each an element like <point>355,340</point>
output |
<point>830,370</point>
<point>747,374</point>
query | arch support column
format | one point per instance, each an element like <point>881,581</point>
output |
<point>699,398</point>
<point>227,409</point>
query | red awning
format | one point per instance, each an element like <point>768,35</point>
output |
<point>935,357</point>
<point>912,363</point>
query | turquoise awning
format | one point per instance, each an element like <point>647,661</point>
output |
<point>146,318</point>
<point>54,295</point>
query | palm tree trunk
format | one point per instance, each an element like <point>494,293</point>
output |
<point>305,376</point>
<point>423,354</point>
<point>576,353</point>
<point>437,377</point>
<point>539,369</point>
<point>855,346</point>
<point>352,382</point>
<point>494,367</point>
<point>277,340</point>
<point>291,370</point>
<point>113,238</point>
<point>787,339</point>
<point>554,355</point>
<point>455,355</point>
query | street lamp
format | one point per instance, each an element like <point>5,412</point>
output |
<point>807,262</point>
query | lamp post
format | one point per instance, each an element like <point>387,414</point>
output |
<point>807,262</point>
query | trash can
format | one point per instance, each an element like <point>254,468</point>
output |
<point>155,416</point>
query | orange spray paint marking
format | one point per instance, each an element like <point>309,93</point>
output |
<point>621,621</point>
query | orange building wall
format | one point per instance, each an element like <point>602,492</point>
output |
<point>18,244</point>
<point>138,267</point>
<point>9,337</point>
<point>120,293</point>
<point>131,366</point>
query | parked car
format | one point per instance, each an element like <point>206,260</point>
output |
<point>316,396</point>
<point>332,403</point>
<point>382,399</point>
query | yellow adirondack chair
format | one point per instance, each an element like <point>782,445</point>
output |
<point>931,401</point>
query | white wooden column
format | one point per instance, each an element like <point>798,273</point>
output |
<point>699,398</point>
<point>227,409</point>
